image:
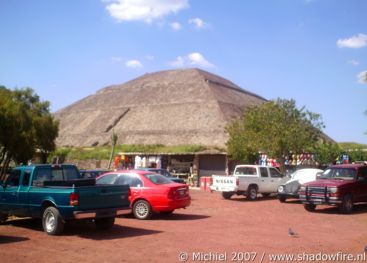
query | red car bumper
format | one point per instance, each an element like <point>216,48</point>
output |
<point>170,204</point>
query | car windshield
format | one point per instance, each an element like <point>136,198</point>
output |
<point>339,173</point>
<point>157,178</point>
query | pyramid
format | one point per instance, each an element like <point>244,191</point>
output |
<point>173,107</point>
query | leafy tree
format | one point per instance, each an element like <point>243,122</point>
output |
<point>326,153</point>
<point>26,125</point>
<point>275,127</point>
<point>114,139</point>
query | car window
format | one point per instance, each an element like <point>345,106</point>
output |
<point>275,173</point>
<point>339,173</point>
<point>264,172</point>
<point>26,177</point>
<point>70,173</point>
<point>13,179</point>
<point>157,179</point>
<point>131,180</point>
<point>107,179</point>
<point>363,173</point>
<point>41,175</point>
<point>246,171</point>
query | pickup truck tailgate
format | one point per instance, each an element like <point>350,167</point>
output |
<point>224,183</point>
<point>103,196</point>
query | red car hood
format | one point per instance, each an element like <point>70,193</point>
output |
<point>329,183</point>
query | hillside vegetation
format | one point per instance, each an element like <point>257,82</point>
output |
<point>103,152</point>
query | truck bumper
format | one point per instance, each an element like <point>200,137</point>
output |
<point>319,200</point>
<point>100,213</point>
<point>223,189</point>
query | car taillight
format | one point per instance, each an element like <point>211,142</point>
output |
<point>171,193</point>
<point>129,194</point>
<point>74,199</point>
<point>178,192</point>
<point>237,182</point>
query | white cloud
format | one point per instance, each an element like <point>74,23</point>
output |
<point>353,62</point>
<point>135,64</point>
<point>178,63</point>
<point>192,59</point>
<point>357,41</point>
<point>176,26</point>
<point>196,59</point>
<point>362,77</point>
<point>198,23</point>
<point>144,10</point>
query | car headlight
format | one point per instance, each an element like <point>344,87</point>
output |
<point>280,188</point>
<point>302,188</point>
<point>333,190</point>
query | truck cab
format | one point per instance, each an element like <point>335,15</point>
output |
<point>339,185</point>
<point>57,194</point>
<point>249,180</point>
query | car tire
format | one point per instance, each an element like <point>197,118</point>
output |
<point>310,207</point>
<point>346,206</point>
<point>52,221</point>
<point>252,193</point>
<point>282,198</point>
<point>104,223</point>
<point>227,195</point>
<point>142,210</point>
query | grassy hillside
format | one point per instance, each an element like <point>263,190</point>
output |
<point>103,152</point>
<point>352,145</point>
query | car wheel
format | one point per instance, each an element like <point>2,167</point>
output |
<point>52,221</point>
<point>282,198</point>
<point>104,223</point>
<point>310,207</point>
<point>142,210</point>
<point>252,193</point>
<point>227,195</point>
<point>346,206</point>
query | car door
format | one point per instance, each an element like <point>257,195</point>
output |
<point>276,178</point>
<point>265,184</point>
<point>136,185</point>
<point>23,193</point>
<point>9,197</point>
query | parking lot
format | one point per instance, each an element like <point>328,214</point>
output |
<point>210,225</point>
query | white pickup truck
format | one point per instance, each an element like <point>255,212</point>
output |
<point>249,180</point>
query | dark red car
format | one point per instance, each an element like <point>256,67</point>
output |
<point>341,185</point>
<point>150,192</point>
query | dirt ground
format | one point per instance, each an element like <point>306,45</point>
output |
<point>211,226</point>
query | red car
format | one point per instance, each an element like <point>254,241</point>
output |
<point>150,192</point>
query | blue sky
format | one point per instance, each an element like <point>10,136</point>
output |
<point>313,51</point>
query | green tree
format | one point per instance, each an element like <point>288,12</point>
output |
<point>114,139</point>
<point>26,124</point>
<point>326,153</point>
<point>275,127</point>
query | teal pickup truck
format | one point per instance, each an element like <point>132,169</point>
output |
<point>57,194</point>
